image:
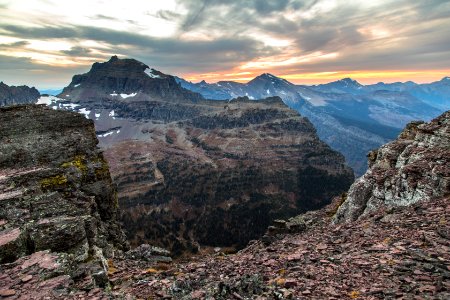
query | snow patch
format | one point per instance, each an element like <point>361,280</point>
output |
<point>71,105</point>
<point>85,112</point>
<point>124,96</point>
<point>106,134</point>
<point>77,85</point>
<point>48,100</point>
<point>114,93</point>
<point>112,114</point>
<point>268,92</point>
<point>150,73</point>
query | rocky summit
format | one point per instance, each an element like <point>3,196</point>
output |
<point>415,167</point>
<point>58,206</point>
<point>13,95</point>
<point>193,172</point>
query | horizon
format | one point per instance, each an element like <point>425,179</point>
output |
<point>43,43</point>
<point>245,80</point>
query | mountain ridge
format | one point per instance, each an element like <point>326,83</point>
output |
<point>352,118</point>
<point>14,95</point>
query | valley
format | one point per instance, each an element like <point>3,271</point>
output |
<point>193,172</point>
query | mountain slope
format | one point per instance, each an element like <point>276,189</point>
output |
<point>350,117</point>
<point>14,95</point>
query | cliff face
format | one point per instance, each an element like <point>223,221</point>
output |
<point>221,173</point>
<point>13,95</point>
<point>56,194</point>
<point>415,167</point>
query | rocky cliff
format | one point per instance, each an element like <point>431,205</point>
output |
<point>220,177</point>
<point>13,95</point>
<point>58,206</point>
<point>414,167</point>
<point>192,171</point>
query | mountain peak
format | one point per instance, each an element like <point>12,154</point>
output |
<point>348,80</point>
<point>124,76</point>
<point>446,79</point>
<point>268,75</point>
<point>113,58</point>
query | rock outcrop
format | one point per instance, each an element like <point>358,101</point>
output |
<point>415,167</point>
<point>14,95</point>
<point>58,205</point>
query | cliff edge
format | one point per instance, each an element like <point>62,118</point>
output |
<point>58,206</point>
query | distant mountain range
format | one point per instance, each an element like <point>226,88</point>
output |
<point>352,118</point>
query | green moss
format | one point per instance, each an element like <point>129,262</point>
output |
<point>101,172</point>
<point>78,162</point>
<point>53,182</point>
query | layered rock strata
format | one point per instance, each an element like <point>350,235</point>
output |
<point>57,200</point>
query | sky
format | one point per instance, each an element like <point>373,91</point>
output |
<point>43,43</point>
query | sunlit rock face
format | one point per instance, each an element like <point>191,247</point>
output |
<point>196,172</point>
<point>415,167</point>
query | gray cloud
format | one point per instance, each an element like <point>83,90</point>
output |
<point>77,51</point>
<point>420,35</point>
<point>103,17</point>
<point>14,45</point>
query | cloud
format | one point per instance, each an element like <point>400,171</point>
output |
<point>216,35</point>
<point>103,17</point>
<point>14,45</point>
<point>77,51</point>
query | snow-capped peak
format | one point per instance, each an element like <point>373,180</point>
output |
<point>349,82</point>
<point>152,73</point>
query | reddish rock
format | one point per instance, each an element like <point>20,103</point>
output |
<point>27,278</point>
<point>7,293</point>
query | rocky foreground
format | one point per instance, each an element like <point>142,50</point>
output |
<point>60,239</point>
<point>401,253</point>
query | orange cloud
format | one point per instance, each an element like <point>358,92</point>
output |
<point>365,77</point>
